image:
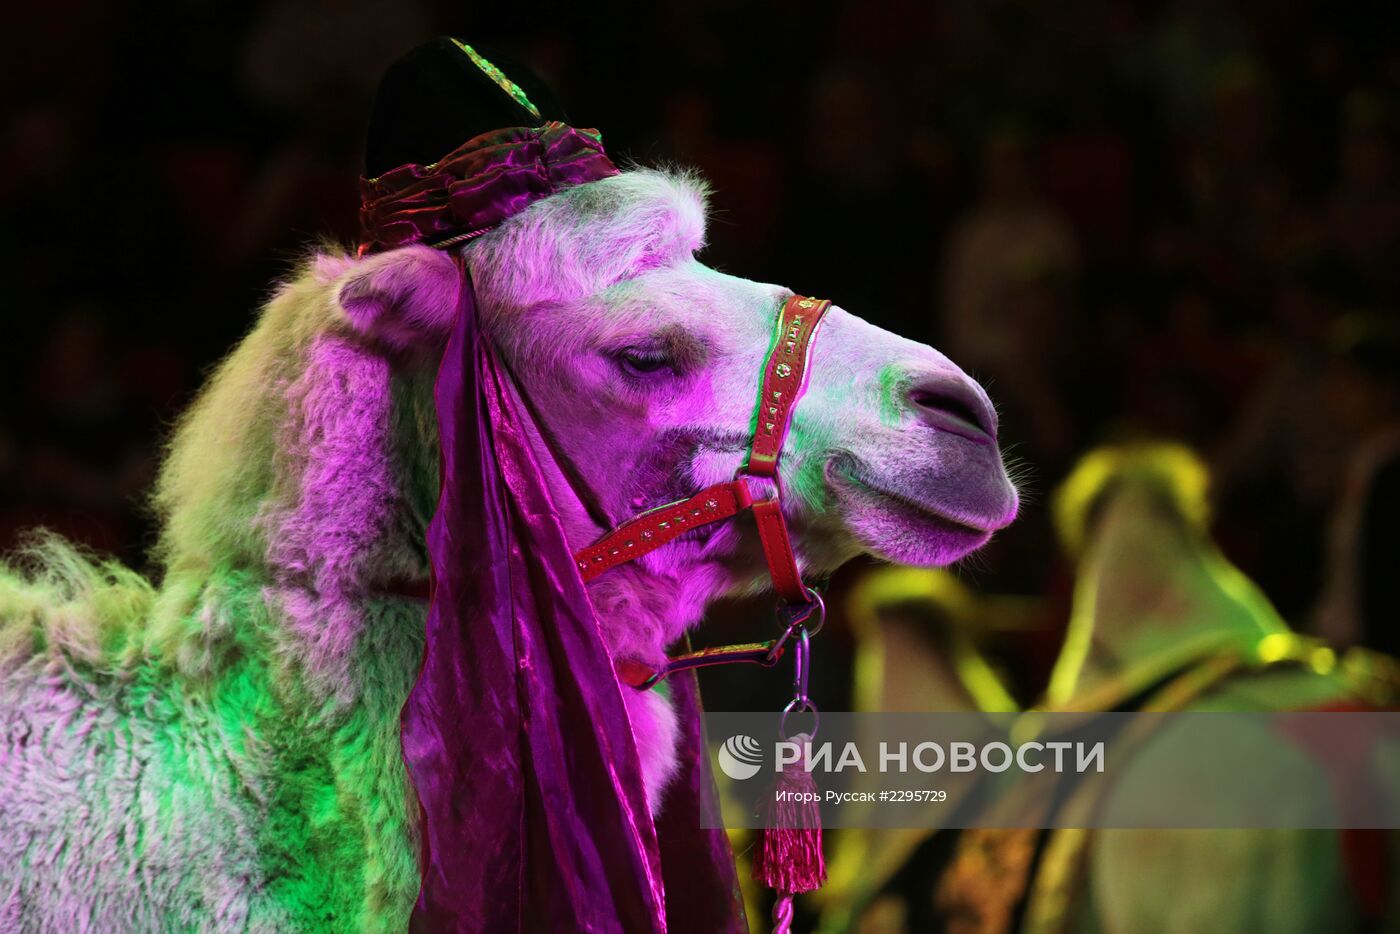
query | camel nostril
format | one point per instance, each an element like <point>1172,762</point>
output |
<point>950,406</point>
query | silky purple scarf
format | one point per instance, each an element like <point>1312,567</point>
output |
<point>515,735</point>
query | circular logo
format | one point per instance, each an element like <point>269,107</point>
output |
<point>740,757</point>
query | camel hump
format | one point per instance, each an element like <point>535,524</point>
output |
<point>56,599</point>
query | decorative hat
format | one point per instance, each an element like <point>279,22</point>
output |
<point>455,147</point>
<point>516,737</point>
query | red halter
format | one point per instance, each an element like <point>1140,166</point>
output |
<point>784,378</point>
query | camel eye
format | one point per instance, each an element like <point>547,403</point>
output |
<point>644,361</point>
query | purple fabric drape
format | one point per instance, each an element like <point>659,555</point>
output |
<point>702,888</point>
<point>515,736</point>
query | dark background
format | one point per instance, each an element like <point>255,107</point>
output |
<point>1127,219</point>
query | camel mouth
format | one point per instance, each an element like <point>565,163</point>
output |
<point>900,528</point>
<point>926,511</point>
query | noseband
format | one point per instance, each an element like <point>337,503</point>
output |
<point>784,379</point>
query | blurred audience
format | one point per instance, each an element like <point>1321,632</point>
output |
<point>1007,281</point>
<point>1362,389</point>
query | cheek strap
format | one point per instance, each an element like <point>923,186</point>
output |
<point>783,381</point>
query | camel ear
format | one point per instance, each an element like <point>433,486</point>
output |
<point>404,298</point>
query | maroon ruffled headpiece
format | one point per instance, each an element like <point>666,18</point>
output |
<point>476,186</point>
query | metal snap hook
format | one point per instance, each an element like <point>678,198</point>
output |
<point>801,665</point>
<point>801,670</point>
<point>803,613</point>
<point>798,616</point>
<point>800,705</point>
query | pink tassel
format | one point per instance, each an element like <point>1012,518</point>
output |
<point>788,855</point>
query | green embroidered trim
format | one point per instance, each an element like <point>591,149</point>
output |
<point>498,76</point>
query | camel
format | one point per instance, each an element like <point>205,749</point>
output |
<point>219,749</point>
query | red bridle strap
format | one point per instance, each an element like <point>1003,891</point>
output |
<point>784,377</point>
<point>661,525</point>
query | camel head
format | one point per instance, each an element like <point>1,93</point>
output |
<point>641,366</point>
